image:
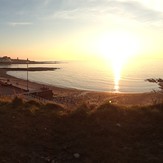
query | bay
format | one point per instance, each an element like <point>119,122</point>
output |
<point>97,76</point>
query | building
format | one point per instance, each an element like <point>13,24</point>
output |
<point>5,59</point>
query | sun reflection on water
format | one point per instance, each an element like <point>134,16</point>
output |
<point>118,46</point>
<point>116,82</point>
<point>117,67</point>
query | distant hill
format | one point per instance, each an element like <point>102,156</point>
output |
<point>23,61</point>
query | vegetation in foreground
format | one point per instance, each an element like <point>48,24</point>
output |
<point>31,132</point>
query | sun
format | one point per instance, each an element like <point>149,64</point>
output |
<point>118,47</point>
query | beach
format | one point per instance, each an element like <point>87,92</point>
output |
<point>75,97</point>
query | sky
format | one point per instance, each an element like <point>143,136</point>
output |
<point>80,29</point>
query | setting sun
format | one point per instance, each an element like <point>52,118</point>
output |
<point>118,47</point>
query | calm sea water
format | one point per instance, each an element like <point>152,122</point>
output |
<point>98,76</point>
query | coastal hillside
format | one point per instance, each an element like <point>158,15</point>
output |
<point>7,60</point>
<point>32,132</point>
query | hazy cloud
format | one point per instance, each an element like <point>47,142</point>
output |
<point>60,10</point>
<point>92,9</point>
<point>137,11</point>
<point>14,24</point>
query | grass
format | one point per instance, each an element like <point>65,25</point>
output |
<point>33,132</point>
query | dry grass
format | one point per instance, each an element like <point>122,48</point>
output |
<point>32,132</point>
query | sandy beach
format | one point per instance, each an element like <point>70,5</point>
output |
<point>74,97</point>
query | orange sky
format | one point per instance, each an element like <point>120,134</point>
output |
<point>64,30</point>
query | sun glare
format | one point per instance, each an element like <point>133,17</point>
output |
<point>118,47</point>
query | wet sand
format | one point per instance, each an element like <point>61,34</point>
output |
<point>74,97</point>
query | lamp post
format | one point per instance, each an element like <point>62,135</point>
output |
<point>27,75</point>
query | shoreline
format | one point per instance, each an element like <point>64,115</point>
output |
<point>69,88</point>
<point>92,98</point>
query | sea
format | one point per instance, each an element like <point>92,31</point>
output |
<point>97,76</point>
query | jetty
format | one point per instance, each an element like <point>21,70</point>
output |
<point>30,69</point>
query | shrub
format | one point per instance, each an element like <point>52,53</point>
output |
<point>17,102</point>
<point>53,106</point>
<point>80,112</point>
<point>32,103</point>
